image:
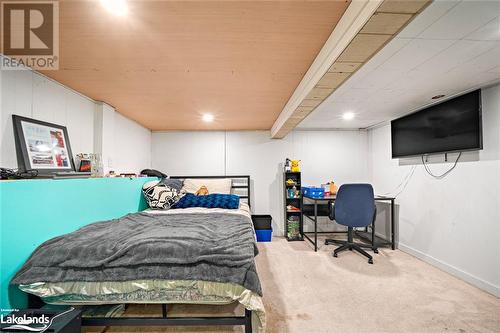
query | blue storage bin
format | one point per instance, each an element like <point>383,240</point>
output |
<point>313,192</point>
<point>264,235</point>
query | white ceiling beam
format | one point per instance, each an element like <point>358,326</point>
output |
<point>353,20</point>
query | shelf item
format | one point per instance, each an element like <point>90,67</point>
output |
<point>292,205</point>
<point>291,182</point>
<point>293,227</point>
<point>314,192</point>
<point>261,221</point>
<point>292,192</point>
<point>292,208</point>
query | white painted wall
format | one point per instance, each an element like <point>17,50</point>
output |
<point>188,153</point>
<point>27,93</point>
<point>132,146</point>
<point>324,155</point>
<point>454,222</point>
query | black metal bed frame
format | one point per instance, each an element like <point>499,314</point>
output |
<point>164,320</point>
<point>233,186</point>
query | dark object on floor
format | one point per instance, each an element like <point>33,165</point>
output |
<point>263,227</point>
<point>261,221</point>
<point>62,319</point>
<point>354,207</point>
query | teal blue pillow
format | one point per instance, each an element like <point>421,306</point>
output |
<point>216,200</point>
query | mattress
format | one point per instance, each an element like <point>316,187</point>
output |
<point>174,291</point>
<point>151,292</point>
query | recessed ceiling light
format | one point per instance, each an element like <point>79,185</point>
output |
<point>438,96</point>
<point>348,115</point>
<point>116,7</point>
<point>208,118</point>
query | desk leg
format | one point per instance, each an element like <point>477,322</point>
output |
<point>301,222</point>
<point>393,240</point>
<point>315,226</point>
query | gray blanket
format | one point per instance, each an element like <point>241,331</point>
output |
<point>210,247</point>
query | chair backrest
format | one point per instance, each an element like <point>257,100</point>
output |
<point>355,205</point>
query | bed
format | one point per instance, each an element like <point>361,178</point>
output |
<point>176,256</point>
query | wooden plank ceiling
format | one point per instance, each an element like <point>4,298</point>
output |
<point>389,18</point>
<point>169,62</point>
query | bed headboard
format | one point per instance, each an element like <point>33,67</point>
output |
<point>240,185</point>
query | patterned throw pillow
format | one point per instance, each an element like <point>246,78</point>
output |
<point>160,196</point>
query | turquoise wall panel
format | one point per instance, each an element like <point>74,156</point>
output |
<point>33,211</point>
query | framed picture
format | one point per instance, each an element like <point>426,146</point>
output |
<point>42,146</point>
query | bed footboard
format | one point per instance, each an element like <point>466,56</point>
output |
<point>173,321</point>
<point>35,302</point>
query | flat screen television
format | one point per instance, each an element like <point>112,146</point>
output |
<point>451,126</point>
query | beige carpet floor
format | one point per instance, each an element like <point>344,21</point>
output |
<point>313,292</point>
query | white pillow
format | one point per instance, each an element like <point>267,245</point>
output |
<point>222,186</point>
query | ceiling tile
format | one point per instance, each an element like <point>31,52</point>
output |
<point>495,70</point>
<point>310,102</point>
<point>385,23</point>
<point>388,51</point>
<point>362,47</point>
<point>379,78</point>
<point>432,13</point>
<point>332,80</point>
<point>460,52</point>
<point>462,20</point>
<point>402,6</point>
<point>355,95</point>
<point>489,31</point>
<point>415,53</point>
<point>319,93</point>
<point>484,62</point>
<point>344,67</point>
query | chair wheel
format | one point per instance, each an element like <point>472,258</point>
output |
<point>335,255</point>
<point>370,261</point>
<point>375,251</point>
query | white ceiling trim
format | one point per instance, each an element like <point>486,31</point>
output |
<point>355,17</point>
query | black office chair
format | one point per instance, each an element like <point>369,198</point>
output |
<point>354,207</point>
